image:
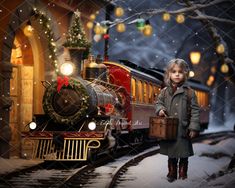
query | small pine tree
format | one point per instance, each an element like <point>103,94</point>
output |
<point>76,36</point>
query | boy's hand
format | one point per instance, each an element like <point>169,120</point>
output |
<point>193,134</point>
<point>163,113</point>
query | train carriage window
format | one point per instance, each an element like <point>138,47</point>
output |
<point>151,93</point>
<point>156,91</point>
<point>146,93</point>
<point>202,98</point>
<point>140,91</point>
<point>133,89</point>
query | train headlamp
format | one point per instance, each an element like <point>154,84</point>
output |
<point>32,125</point>
<point>67,69</point>
<point>92,125</point>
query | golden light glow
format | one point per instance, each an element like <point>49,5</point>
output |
<point>224,68</point>
<point>213,69</point>
<point>67,69</point>
<point>92,17</point>
<point>28,30</point>
<point>98,29</point>
<point>220,49</point>
<point>195,57</point>
<point>119,11</point>
<point>210,80</point>
<point>89,25</point>
<point>180,18</point>
<point>166,16</point>
<point>120,27</point>
<point>148,30</point>
<point>191,74</point>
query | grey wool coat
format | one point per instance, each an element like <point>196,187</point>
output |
<point>175,104</point>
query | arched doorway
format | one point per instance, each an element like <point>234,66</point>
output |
<point>25,88</point>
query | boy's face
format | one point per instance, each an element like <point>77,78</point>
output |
<point>176,74</point>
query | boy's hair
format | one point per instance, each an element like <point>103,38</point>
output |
<point>182,64</point>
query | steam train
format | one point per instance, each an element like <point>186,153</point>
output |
<point>107,106</point>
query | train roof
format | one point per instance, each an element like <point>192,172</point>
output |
<point>136,70</point>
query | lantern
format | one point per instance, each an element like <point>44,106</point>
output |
<point>195,57</point>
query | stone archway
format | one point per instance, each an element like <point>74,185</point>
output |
<point>19,17</point>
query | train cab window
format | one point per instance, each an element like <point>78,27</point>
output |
<point>140,91</point>
<point>146,100</point>
<point>151,98</point>
<point>133,89</point>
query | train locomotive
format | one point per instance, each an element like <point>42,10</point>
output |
<point>107,106</point>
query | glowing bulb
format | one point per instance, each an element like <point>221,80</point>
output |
<point>121,27</point>
<point>166,16</point>
<point>148,30</point>
<point>119,11</point>
<point>92,125</point>
<point>195,57</point>
<point>180,18</point>
<point>66,69</point>
<point>191,74</point>
<point>220,49</point>
<point>89,25</point>
<point>224,68</point>
<point>28,30</point>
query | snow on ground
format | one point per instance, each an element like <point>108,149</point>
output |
<point>151,172</point>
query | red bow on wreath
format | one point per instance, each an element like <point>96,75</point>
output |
<point>62,81</point>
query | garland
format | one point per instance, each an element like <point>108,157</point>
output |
<point>44,21</point>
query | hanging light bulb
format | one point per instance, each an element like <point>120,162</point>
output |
<point>120,27</point>
<point>98,29</point>
<point>118,11</point>
<point>180,18</point>
<point>148,29</point>
<point>89,25</point>
<point>224,68</point>
<point>195,57</point>
<point>140,24</point>
<point>220,49</point>
<point>92,17</point>
<point>213,69</point>
<point>28,29</point>
<point>166,16</point>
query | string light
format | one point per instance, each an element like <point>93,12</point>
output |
<point>166,16</point>
<point>220,49</point>
<point>148,29</point>
<point>180,18</point>
<point>195,57</point>
<point>140,24</point>
<point>89,25</point>
<point>92,17</point>
<point>98,29</point>
<point>28,30</point>
<point>119,11</point>
<point>45,23</point>
<point>224,68</point>
<point>120,27</point>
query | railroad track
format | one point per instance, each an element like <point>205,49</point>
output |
<point>105,172</point>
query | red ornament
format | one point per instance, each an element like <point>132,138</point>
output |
<point>106,36</point>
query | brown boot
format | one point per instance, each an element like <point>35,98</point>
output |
<point>172,167</point>
<point>183,169</point>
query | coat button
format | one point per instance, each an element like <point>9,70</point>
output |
<point>175,113</point>
<point>176,104</point>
